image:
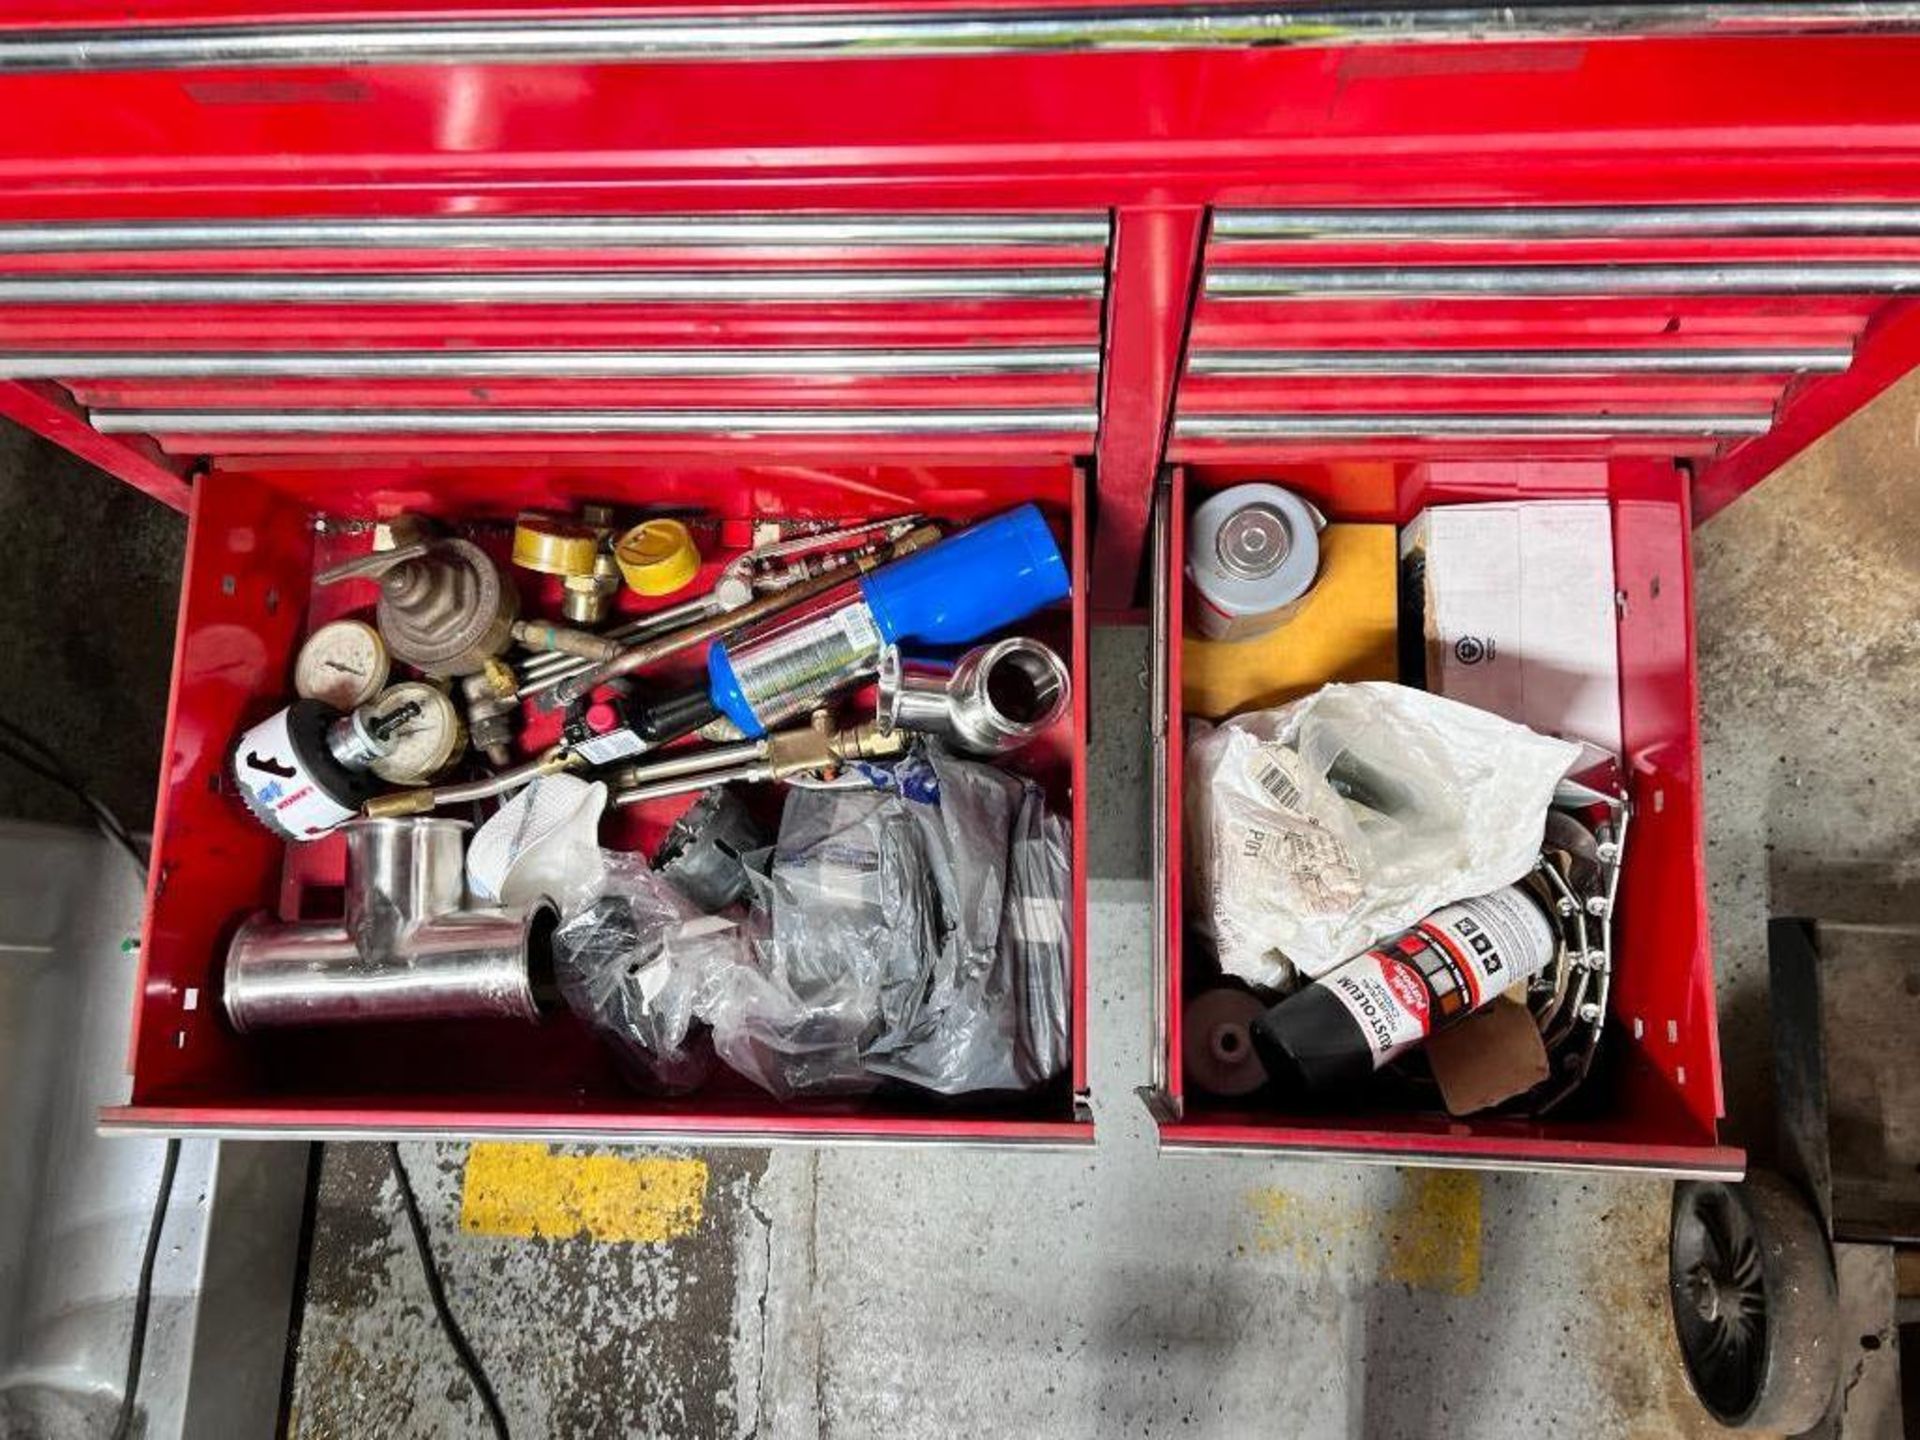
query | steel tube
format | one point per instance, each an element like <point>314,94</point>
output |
<point>1345,425</point>
<point>1560,222</point>
<point>824,35</point>
<point>546,287</point>
<point>1787,277</point>
<point>1671,360</point>
<point>408,949</point>
<point>565,364</point>
<point>594,422</point>
<point>550,232</point>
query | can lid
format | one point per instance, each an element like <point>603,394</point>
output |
<point>1254,541</point>
<point>553,546</point>
<point>657,557</point>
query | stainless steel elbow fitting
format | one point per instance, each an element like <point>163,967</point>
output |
<point>409,948</point>
<point>996,699</point>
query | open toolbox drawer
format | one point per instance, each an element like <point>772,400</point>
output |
<point>1653,1101</point>
<point>255,540</point>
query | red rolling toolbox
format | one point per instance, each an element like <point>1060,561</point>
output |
<point>288,267</point>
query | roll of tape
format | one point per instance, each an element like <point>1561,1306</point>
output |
<point>1252,552</point>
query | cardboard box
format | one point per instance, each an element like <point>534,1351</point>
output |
<point>1515,603</point>
<point>1344,628</point>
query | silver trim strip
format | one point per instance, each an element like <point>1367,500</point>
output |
<point>570,364</point>
<point>1564,222</point>
<point>704,1139</point>
<point>1668,360</point>
<point>825,35</point>
<point>551,232</point>
<point>1781,278</point>
<point>1351,426</point>
<point>1160,641</point>
<point>1349,1154</point>
<point>594,422</point>
<point>542,287</point>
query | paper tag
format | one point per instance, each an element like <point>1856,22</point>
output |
<point>612,746</point>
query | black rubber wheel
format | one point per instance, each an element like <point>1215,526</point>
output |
<point>1750,1274</point>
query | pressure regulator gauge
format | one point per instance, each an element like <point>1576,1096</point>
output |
<point>343,664</point>
<point>426,744</point>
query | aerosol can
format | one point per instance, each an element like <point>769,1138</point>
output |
<point>1377,1006</point>
<point>308,769</point>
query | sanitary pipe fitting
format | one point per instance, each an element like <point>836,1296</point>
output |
<point>996,699</point>
<point>410,948</point>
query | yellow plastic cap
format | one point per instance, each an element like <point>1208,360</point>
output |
<point>657,557</point>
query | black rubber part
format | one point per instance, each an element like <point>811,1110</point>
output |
<point>1772,1364</point>
<point>675,716</point>
<point>1310,1044</point>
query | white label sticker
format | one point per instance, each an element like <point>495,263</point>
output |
<point>1387,999</point>
<point>279,787</point>
<point>612,746</point>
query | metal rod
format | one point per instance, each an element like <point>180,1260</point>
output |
<point>551,232</point>
<point>820,35</point>
<point>546,287</point>
<point>1787,277</point>
<point>1351,426</point>
<point>594,422</point>
<point>570,364</point>
<point>1558,222</point>
<point>690,762</point>
<point>1666,360</point>
<point>746,772</point>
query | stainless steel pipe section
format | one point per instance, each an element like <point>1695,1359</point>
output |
<point>1786,277</point>
<point>824,35</point>
<point>549,232</point>
<point>1565,222</point>
<point>409,948</point>
<point>996,699</point>
<point>1671,360</point>
<point>546,287</point>
<point>481,421</point>
<point>1345,425</point>
<point>568,364</point>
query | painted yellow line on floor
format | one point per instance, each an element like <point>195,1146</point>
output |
<point>1427,1238</point>
<point>532,1192</point>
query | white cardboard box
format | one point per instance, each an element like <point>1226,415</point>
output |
<point>1519,612</point>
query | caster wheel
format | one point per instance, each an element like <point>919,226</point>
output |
<point>1754,1304</point>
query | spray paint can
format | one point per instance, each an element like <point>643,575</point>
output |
<point>308,769</point>
<point>1347,1024</point>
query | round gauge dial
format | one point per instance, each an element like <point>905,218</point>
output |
<point>425,745</point>
<point>343,664</point>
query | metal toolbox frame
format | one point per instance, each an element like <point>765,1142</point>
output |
<point>258,250</point>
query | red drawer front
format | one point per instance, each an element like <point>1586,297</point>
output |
<point>948,335</point>
<point>1572,332</point>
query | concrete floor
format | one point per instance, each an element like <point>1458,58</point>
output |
<point>879,1293</point>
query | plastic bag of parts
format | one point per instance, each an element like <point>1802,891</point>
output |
<point>915,932</point>
<point>635,964</point>
<point>1320,828</point>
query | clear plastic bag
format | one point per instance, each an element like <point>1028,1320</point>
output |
<point>914,932</point>
<point>635,963</point>
<point>1318,829</point>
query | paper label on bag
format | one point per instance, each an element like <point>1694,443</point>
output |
<point>1282,846</point>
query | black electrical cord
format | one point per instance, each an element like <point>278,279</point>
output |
<point>456,1337</point>
<point>143,1296</point>
<point>33,755</point>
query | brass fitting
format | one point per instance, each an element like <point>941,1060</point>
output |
<point>819,746</point>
